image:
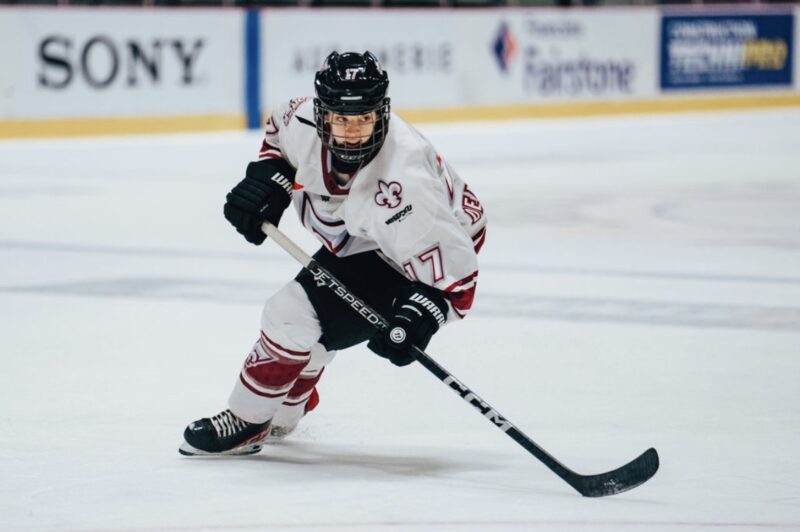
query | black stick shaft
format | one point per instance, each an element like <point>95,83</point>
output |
<point>593,485</point>
<point>325,278</point>
<point>491,414</point>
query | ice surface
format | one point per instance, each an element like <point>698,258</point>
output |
<point>640,286</point>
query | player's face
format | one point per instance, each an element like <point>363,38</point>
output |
<point>352,130</point>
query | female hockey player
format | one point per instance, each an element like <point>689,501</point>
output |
<point>397,225</point>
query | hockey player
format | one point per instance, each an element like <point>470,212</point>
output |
<point>397,225</point>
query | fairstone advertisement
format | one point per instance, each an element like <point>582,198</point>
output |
<point>726,51</point>
<point>546,56</point>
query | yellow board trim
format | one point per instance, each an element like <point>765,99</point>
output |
<point>577,109</point>
<point>81,127</point>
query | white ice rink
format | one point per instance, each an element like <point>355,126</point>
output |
<point>640,286</point>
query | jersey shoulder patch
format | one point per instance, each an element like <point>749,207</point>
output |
<point>291,109</point>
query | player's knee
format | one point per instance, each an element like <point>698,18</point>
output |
<point>320,357</point>
<point>289,317</point>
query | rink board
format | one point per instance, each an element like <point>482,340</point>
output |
<point>442,59</point>
<point>119,70</point>
<point>85,71</point>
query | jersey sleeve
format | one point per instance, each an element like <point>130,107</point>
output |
<point>277,136</point>
<point>431,244</point>
<point>271,144</point>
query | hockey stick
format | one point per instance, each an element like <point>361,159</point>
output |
<point>622,479</point>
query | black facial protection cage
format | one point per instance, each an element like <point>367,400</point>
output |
<point>352,84</point>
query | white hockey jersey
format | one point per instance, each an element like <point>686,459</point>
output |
<point>407,203</point>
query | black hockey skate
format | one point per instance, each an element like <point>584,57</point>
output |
<point>223,434</point>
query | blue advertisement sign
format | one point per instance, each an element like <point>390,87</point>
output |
<point>726,50</point>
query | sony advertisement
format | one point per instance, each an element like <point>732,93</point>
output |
<point>107,63</point>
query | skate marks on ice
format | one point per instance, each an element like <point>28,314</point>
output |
<point>150,252</point>
<point>754,214</point>
<point>158,288</point>
<point>363,461</point>
<point>647,312</point>
<point>53,191</point>
<point>487,262</point>
<point>481,470</point>
<point>588,271</point>
<point>650,312</point>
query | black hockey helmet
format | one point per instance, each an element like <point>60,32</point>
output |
<point>352,84</point>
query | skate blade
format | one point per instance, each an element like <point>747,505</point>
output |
<point>276,435</point>
<point>187,450</point>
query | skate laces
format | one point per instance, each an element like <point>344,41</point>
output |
<point>226,423</point>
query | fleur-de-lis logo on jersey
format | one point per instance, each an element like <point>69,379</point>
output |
<point>389,194</point>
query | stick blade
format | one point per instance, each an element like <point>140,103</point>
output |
<point>627,477</point>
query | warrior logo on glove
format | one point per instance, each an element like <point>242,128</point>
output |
<point>419,311</point>
<point>397,335</point>
<point>262,196</point>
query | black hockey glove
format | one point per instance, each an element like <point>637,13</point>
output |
<point>419,311</point>
<point>262,196</point>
